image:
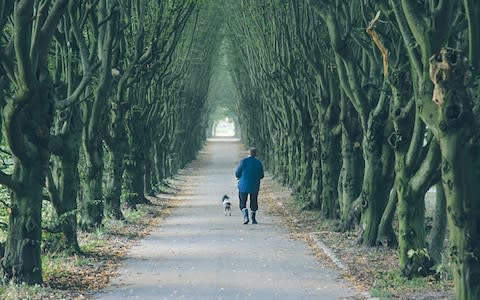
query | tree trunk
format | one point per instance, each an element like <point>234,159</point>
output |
<point>457,131</point>
<point>113,185</point>
<point>28,138</point>
<point>116,146</point>
<point>291,163</point>
<point>374,193</point>
<point>149,190</point>
<point>67,182</point>
<point>22,261</point>
<point>91,202</point>
<point>350,178</point>
<point>372,202</point>
<point>64,182</point>
<point>133,180</point>
<point>439,226</point>
<point>316,189</point>
<point>159,162</point>
<point>386,235</point>
<point>305,173</point>
<point>414,258</point>
<point>328,111</point>
<point>330,166</point>
<point>27,119</point>
<point>414,170</point>
<point>134,185</point>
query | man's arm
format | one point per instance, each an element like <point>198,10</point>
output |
<point>261,171</point>
<point>238,171</point>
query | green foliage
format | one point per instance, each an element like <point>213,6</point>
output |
<point>49,216</point>
<point>304,200</point>
<point>387,284</point>
<point>414,253</point>
<point>4,210</point>
<point>53,242</point>
<point>134,215</point>
<point>91,245</point>
<point>23,291</point>
<point>6,165</point>
<point>54,265</point>
<point>222,94</point>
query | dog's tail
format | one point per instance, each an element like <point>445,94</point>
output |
<point>225,197</point>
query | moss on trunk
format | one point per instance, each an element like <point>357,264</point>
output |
<point>376,185</point>
<point>91,200</point>
<point>458,127</point>
<point>330,164</point>
<point>113,185</point>
<point>133,184</point>
<point>22,261</point>
<point>439,226</point>
<point>116,144</point>
<point>28,138</point>
<point>65,177</point>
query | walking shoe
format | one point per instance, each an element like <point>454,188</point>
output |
<point>245,216</point>
<point>254,221</point>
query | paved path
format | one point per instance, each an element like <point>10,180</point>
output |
<point>198,253</point>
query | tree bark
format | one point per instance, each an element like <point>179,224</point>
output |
<point>439,226</point>
<point>328,110</point>
<point>64,181</point>
<point>134,185</point>
<point>350,178</point>
<point>116,144</point>
<point>457,131</point>
<point>22,261</point>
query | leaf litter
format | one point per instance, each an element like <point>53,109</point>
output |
<point>373,271</point>
<point>79,276</point>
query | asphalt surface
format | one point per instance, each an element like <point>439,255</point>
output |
<point>199,253</point>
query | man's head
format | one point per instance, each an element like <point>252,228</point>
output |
<point>253,151</point>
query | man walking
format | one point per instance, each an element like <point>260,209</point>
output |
<point>249,173</point>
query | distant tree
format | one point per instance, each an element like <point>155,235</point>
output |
<point>105,25</point>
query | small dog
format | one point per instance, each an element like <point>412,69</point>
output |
<point>227,205</point>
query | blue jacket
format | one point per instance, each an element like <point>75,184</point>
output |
<point>249,172</point>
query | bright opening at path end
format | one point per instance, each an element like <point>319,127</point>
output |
<point>225,128</point>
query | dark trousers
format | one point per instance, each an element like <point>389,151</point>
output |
<point>253,200</point>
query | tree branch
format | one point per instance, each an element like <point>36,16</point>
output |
<point>418,26</point>
<point>48,29</point>
<point>23,13</point>
<point>75,96</point>
<point>378,43</point>
<point>74,26</point>
<point>422,179</point>
<point>8,181</point>
<point>472,13</point>
<point>408,39</point>
<point>416,144</point>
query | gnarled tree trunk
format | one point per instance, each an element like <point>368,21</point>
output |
<point>28,138</point>
<point>27,119</point>
<point>458,127</point>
